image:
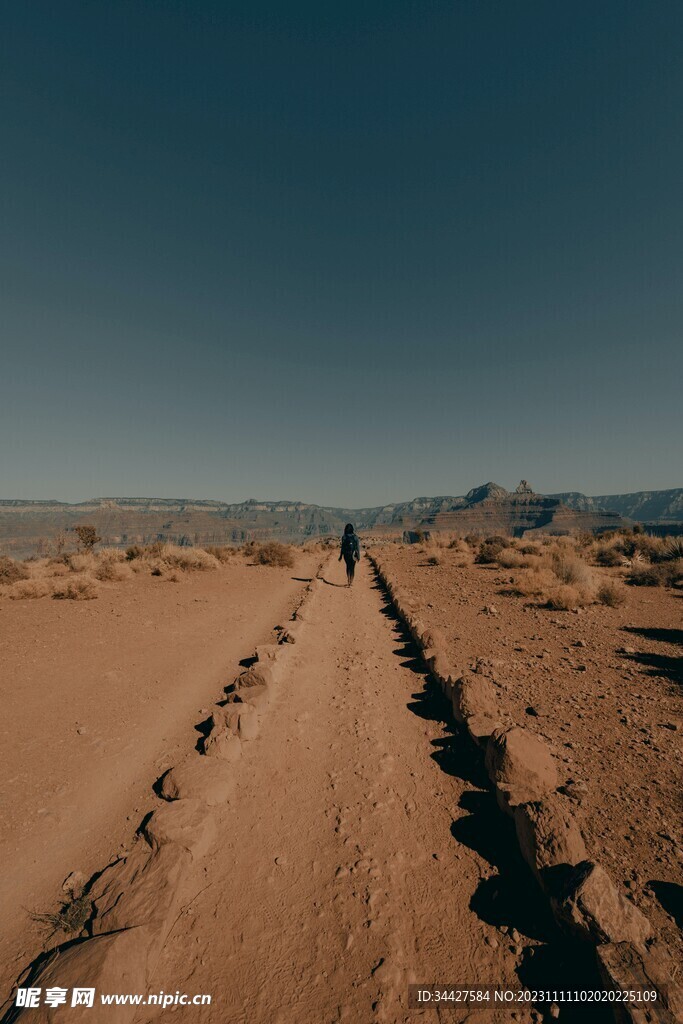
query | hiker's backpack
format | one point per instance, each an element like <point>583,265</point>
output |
<point>349,544</point>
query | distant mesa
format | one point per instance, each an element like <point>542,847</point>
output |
<point>489,508</point>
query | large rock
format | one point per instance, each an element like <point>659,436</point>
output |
<point>257,676</point>
<point>272,661</point>
<point>223,744</point>
<point>474,695</point>
<point>239,718</point>
<point>481,728</point>
<point>107,963</point>
<point>144,890</point>
<point>591,907</point>
<point>189,823</point>
<point>549,838</point>
<point>207,779</point>
<point>520,766</point>
<point>625,968</point>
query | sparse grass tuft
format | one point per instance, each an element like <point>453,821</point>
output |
<point>433,560</point>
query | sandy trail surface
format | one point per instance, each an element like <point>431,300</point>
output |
<point>338,878</point>
<point>100,698</point>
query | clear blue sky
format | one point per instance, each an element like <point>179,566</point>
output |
<point>342,252</point>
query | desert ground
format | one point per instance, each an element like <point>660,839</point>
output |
<point>351,844</point>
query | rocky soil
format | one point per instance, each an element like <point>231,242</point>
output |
<point>602,685</point>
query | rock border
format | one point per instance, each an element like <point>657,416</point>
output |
<point>137,899</point>
<point>522,771</point>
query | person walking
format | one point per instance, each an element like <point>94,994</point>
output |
<point>350,551</point>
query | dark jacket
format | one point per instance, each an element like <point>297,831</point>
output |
<point>350,546</point>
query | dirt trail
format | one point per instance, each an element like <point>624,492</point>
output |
<point>337,879</point>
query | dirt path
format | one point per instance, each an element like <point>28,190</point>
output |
<point>337,879</point>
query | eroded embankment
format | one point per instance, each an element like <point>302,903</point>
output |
<point>524,776</point>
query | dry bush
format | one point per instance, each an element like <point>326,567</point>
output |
<point>114,572</point>
<point>663,574</point>
<point>77,588</point>
<point>566,597</point>
<point>11,571</point>
<point>528,549</point>
<point>222,552</point>
<point>571,570</point>
<point>434,560</point>
<point>186,558</point>
<point>608,555</point>
<point>611,594</point>
<point>274,553</point>
<point>488,553</point>
<point>511,559</point>
<point>87,537</point>
<point>27,589</point>
<point>82,562</point>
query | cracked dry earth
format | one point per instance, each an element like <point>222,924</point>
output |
<point>337,879</point>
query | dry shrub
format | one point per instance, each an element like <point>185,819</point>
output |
<point>274,553</point>
<point>222,552</point>
<point>77,588</point>
<point>186,558</point>
<point>488,553</point>
<point>566,597</point>
<point>611,594</point>
<point>433,560</point>
<point>28,589</point>
<point>82,562</point>
<point>608,555</point>
<point>511,559</point>
<point>663,574</point>
<point>11,571</point>
<point>114,572</point>
<point>571,570</point>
